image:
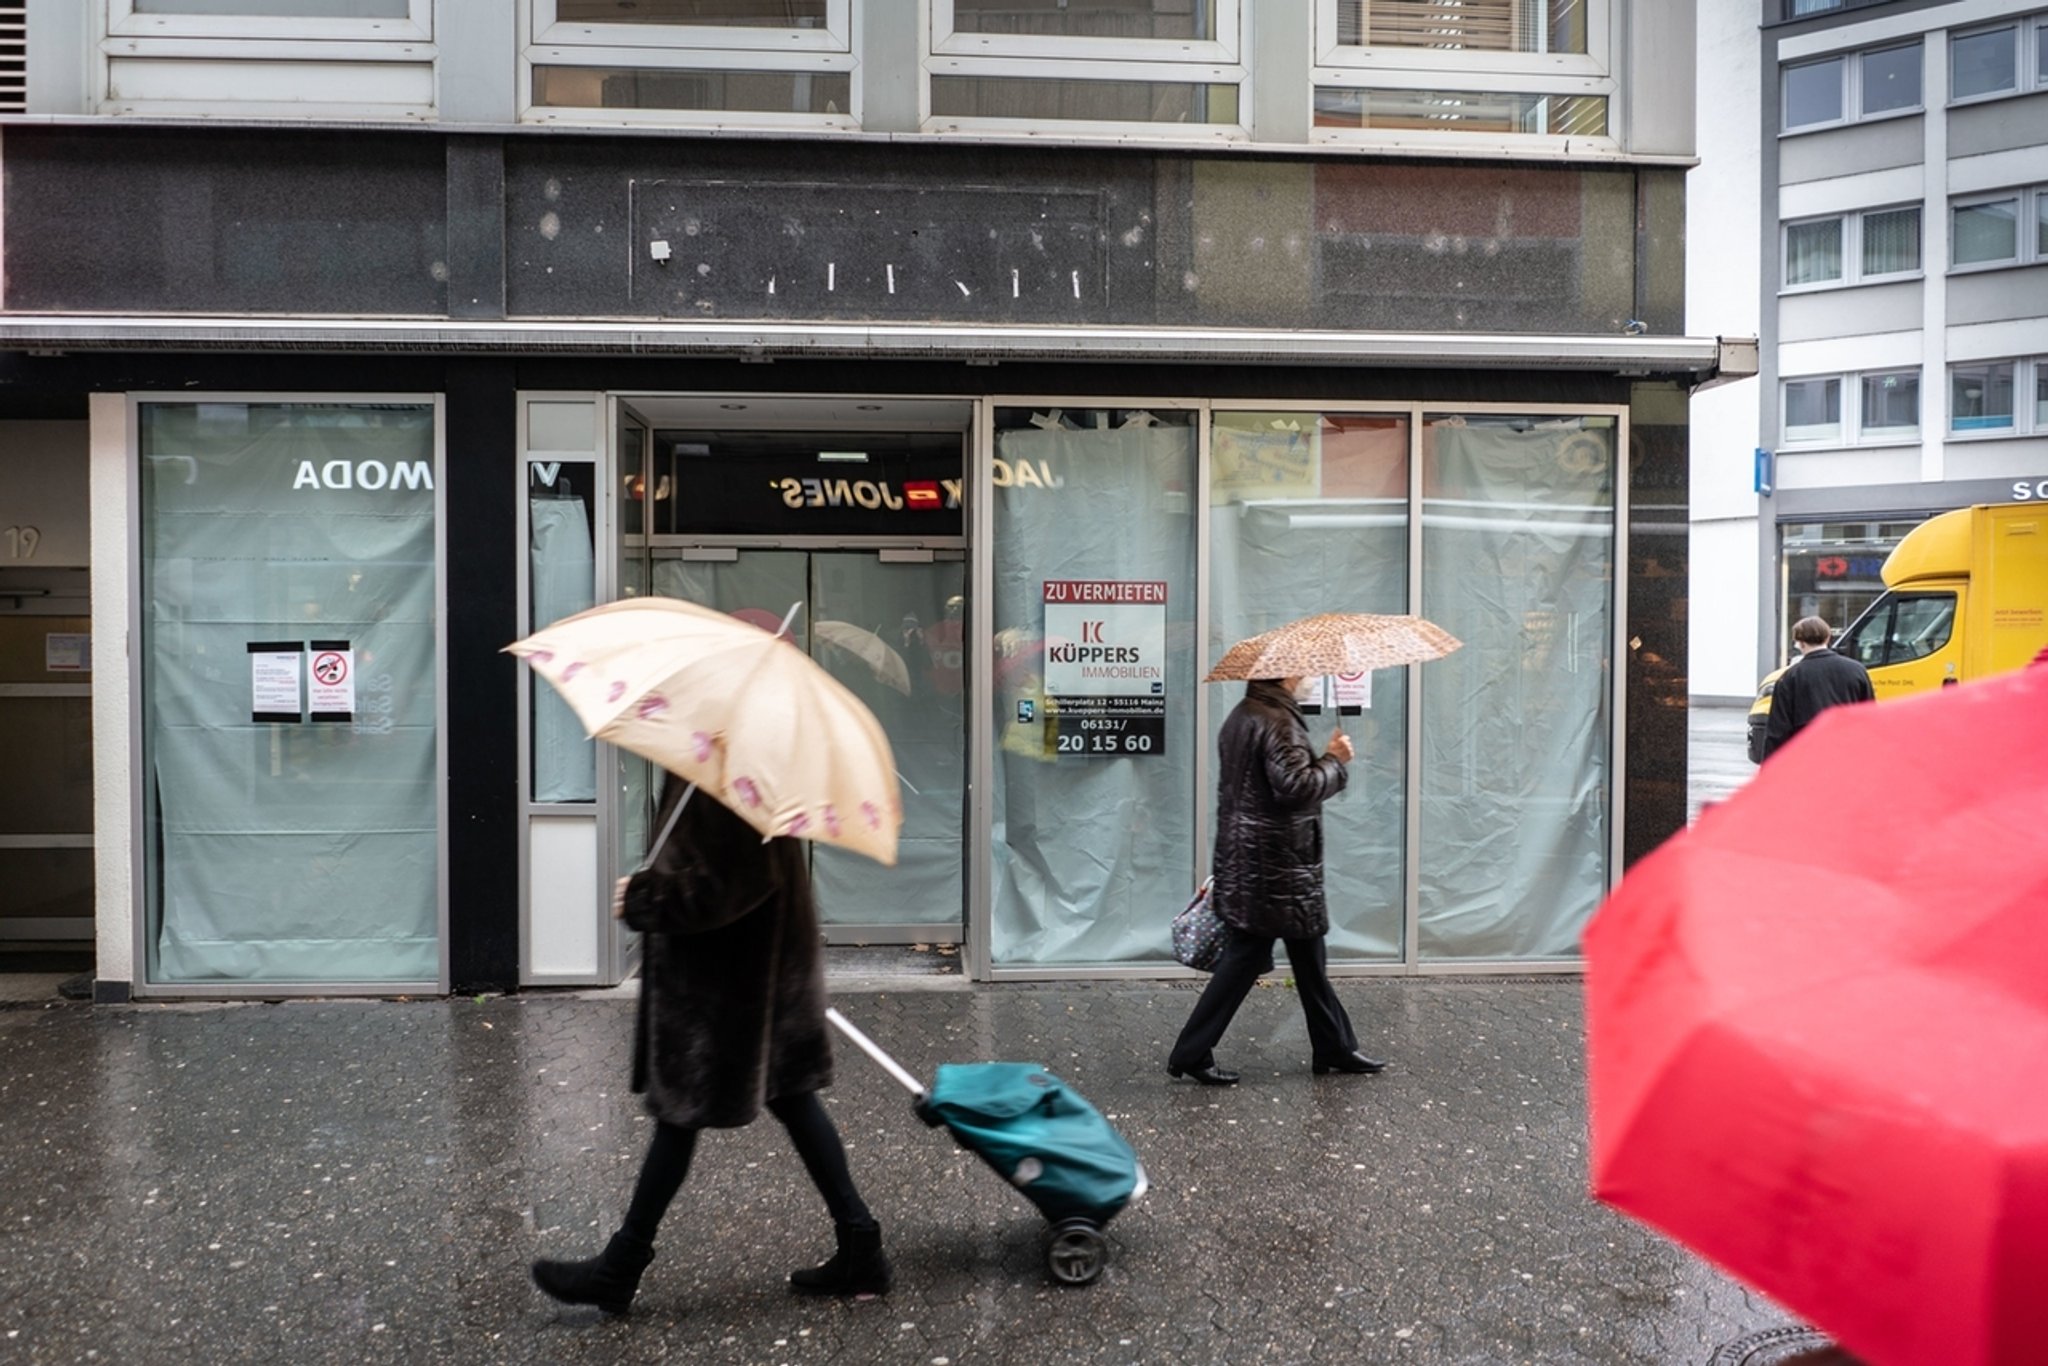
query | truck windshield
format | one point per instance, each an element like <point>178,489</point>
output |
<point>1898,628</point>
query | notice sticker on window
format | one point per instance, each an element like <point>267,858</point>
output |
<point>1353,692</point>
<point>274,680</point>
<point>67,653</point>
<point>331,685</point>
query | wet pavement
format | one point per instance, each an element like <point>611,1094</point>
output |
<point>367,1181</point>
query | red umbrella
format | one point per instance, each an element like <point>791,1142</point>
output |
<point>1818,1027</point>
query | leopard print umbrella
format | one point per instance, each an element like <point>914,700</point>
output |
<point>1334,643</point>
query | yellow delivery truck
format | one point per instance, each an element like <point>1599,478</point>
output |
<point>1966,597</point>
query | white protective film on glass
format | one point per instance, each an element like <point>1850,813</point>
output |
<point>300,850</point>
<point>1519,562</point>
<point>562,562</point>
<point>1308,513</point>
<point>912,616</point>
<point>1092,853</point>
<point>895,634</point>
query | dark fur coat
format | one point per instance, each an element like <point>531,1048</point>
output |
<point>1270,792</point>
<point>732,997</point>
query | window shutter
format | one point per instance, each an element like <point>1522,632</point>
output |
<point>13,56</point>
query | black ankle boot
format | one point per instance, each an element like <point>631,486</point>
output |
<point>607,1280</point>
<point>857,1268</point>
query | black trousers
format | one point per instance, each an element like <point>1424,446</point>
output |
<point>1245,956</point>
<point>811,1133</point>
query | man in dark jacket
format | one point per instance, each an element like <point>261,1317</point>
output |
<point>1819,679</point>
<point>1268,880</point>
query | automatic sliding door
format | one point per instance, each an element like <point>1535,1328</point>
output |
<point>892,632</point>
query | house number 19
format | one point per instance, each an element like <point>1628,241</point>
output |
<point>22,542</point>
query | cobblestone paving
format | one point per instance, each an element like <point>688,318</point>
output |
<point>367,1181</point>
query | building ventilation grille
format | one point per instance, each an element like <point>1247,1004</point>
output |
<point>13,56</point>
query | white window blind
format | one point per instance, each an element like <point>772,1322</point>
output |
<point>1465,25</point>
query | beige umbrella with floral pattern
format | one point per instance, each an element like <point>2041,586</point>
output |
<point>736,710</point>
<point>1334,643</point>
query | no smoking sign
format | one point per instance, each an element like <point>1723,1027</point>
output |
<point>332,686</point>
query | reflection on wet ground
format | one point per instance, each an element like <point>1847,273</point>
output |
<point>358,1181</point>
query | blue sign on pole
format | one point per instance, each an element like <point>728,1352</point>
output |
<point>1764,472</point>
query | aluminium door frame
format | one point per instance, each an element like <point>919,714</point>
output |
<point>761,417</point>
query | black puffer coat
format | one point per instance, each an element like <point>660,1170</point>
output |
<point>1269,826</point>
<point>732,995</point>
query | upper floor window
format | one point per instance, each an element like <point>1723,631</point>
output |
<point>361,19</point>
<point>1877,408</point>
<point>2001,229</point>
<point>1396,69</point>
<point>764,62</point>
<point>1090,65</point>
<point>1855,248</point>
<point>1987,63</point>
<point>1795,9</point>
<point>1851,86</point>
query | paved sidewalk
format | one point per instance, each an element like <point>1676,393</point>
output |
<point>365,1181</point>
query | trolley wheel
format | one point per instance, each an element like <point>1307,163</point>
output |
<point>1076,1252</point>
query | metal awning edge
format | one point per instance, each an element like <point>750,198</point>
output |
<point>767,341</point>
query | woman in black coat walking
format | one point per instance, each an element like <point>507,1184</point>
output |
<point>1268,880</point>
<point>731,1019</point>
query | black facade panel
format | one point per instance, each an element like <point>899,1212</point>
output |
<point>308,222</point>
<point>778,231</point>
<point>481,530</point>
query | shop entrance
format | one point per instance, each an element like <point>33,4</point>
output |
<point>852,531</point>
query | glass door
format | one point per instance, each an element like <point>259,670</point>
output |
<point>634,782</point>
<point>889,624</point>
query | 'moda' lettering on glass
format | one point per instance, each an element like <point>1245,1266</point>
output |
<point>365,474</point>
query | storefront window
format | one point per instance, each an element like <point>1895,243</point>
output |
<point>1518,562</point>
<point>1834,570</point>
<point>290,680</point>
<point>1094,681</point>
<point>1308,513</point>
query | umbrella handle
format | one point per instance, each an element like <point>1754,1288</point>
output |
<point>874,1050</point>
<point>666,830</point>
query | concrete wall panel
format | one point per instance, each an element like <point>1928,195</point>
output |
<point>1849,312</point>
<point>1852,150</point>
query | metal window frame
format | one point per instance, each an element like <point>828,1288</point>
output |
<point>2023,78</point>
<point>2024,372</point>
<point>121,20</point>
<point>977,956</point>
<point>603,588</point>
<point>1050,70</point>
<point>690,47</point>
<point>1853,272</point>
<point>1599,59</point>
<point>2021,221</point>
<point>143,986</point>
<point>543,21</point>
<point>1842,426</point>
<point>944,38</point>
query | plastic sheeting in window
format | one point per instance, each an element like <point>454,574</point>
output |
<point>564,582</point>
<point>289,852</point>
<point>1310,514</point>
<point>917,611</point>
<point>1092,856</point>
<point>1518,555</point>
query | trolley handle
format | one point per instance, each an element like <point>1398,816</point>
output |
<point>874,1050</point>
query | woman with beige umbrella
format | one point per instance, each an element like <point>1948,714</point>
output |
<point>1268,863</point>
<point>763,748</point>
